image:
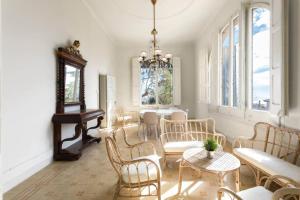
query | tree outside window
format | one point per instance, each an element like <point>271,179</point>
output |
<point>156,86</point>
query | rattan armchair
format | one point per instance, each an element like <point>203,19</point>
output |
<point>141,173</point>
<point>287,192</point>
<point>144,148</point>
<point>123,117</point>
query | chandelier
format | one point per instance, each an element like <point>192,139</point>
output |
<point>156,60</point>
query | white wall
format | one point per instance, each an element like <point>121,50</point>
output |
<point>184,51</point>
<point>230,124</point>
<point>32,31</point>
<point>1,179</point>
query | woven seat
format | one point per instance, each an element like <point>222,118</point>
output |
<point>180,135</point>
<point>271,151</point>
<point>287,192</point>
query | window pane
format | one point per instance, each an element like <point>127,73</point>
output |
<point>235,64</point>
<point>225,66</point>
<point>165,86</point>
<point>148,86</point>
<point>260,58</point>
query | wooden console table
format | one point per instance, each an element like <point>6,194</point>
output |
<point>80,118</point>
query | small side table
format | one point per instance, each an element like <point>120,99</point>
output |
<point>222,164</point>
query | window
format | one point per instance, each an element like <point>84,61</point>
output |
<point>235,63</point>
<point>253,61</point>
<point>225,65</point>
<point>156,86</point>
<point>230,59</point>
<point>260,58</point>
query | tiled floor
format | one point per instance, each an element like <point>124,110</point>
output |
<point>92,177</point>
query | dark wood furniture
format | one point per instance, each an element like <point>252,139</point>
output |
<point>78,115</point>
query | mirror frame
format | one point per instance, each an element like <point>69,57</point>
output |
<point>66,57</point>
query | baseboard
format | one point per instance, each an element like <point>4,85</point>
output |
<point>15,175</point>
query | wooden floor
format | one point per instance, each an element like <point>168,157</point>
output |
<point>92,178</point>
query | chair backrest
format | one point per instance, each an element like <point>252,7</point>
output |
<point>191,125</point>
<point>119,112</point>
<point>113,154</point>
<point>281,142</point>
<point>178,116</point>
<point>195,129</point>
<point>287,194</point>
<point>122,138</point>
<point>150,118</point>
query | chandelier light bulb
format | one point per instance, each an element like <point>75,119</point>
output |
<point>144,54</point>
<point>168,56</point>
<point>158,52</point>
<point>140,59</point>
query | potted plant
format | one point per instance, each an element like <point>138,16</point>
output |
<point>210,146</point>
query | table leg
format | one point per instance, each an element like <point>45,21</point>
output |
<point>145,133</point>
<point>199,173</point>
<point>220,177</point>
<point>237,180</point>
<point>180,177</point>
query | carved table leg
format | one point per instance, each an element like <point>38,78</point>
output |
<point>57,138</point>
<point>71,153</point>
<point>77,134</point>
<point>88,138</point>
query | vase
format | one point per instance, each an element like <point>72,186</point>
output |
<point>210,154</point>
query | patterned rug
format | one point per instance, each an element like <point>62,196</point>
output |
<point>93,178</point>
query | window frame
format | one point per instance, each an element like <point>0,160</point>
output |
<point>230,24</point>
<point>244,112</point>
<point>156,93</point>
<point>249,50</point>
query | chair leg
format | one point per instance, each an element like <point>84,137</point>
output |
<point>150,131</point>
<point>117,191</point>
<point>144,134</point>
<point>156,132</point>
<point>220,195</point>
<point>158,191</point>
<point>138,131</point>
<point>164,161</point>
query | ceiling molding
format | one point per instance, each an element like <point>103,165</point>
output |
<point>129,21</point>
<point>99,23</point>
<point>129,13</point>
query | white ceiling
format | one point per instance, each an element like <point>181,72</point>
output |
<point>178,21</point>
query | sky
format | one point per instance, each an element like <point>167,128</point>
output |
<point>261,54</point>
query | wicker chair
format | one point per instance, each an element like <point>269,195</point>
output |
<point>179,116</point>
<point>271,151</point>
<point>288,192</point>
<point>180,135</point>
<point>144,148</point>
<point>123,118</point>
<point>150,123</point>
<point>140,173</point>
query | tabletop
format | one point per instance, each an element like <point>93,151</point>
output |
<point>222,161</point>
<point>162,111</point>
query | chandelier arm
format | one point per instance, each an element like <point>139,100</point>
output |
<point>156,61</point>
<point>154,28</point>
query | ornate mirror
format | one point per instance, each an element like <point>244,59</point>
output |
<point>70,78</point>
<point>72,83</point>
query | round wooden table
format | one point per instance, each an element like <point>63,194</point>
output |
<point>222,164</point>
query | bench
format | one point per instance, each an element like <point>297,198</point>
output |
<point>180,135</point>
<point>270,151</point>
